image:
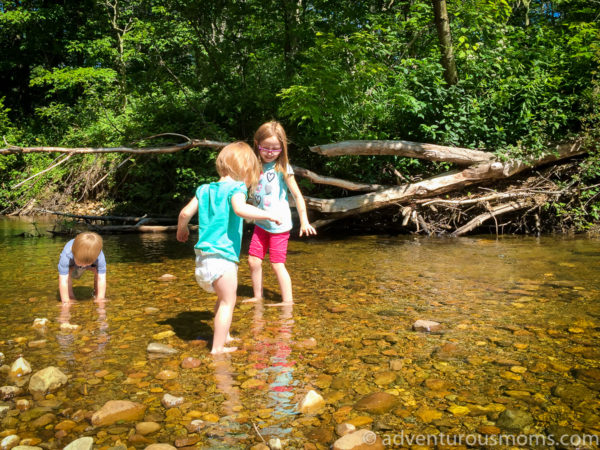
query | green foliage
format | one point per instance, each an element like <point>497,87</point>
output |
<point>85,74</point>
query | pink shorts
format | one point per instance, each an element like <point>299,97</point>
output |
<point>276,244</point>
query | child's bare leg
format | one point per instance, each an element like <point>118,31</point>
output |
<point>229,337</point>
<point>256,276</point>
<point>226,290</point>
<point>285,282</point>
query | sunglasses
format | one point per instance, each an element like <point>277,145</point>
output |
<point>269,150</point>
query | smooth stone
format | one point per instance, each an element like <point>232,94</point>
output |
<point>155,347</point>
<point>573,394</point>
<point>151,310</point>
<point>40,323</point>
<point>19,368</point>
<point>188,441</point>
<point>359,440</point>
<point>311,403</point>
<point>42,421</point>
<point>275,444</point>
<point>514,420</point>
<point>191,363</point>
<point>116,410</point>
<point>396,364</point>
<point>170,401</point>
<point>160,447</point>
<point>84,443</point>
<point>345,428</point>
<point>163,335</point>
<point>385,378</point>
<point>145,428</point>
<point>9,392</point>
<point>37,344</point>
<point>426,325</point>
<point>376,403</point>
<point>9,442</point>
<point>166,375</point>
<point>47,380</point>
<point>167,277</point>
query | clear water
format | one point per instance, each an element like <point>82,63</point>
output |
<point>520,321</point>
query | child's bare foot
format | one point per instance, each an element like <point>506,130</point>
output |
<point>252,300</point>
<point>223,350</point>
<point>280,304</point>
<point>230,338</point>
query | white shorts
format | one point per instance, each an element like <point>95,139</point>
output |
<point>210,267</point>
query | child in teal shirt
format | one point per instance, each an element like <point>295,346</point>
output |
<point>221,206</point>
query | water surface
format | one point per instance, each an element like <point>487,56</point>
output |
<point>520,332</point>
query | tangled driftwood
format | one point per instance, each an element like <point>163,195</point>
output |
<point>415,201</point>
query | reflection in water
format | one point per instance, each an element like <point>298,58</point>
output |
<point>225,384</point>
<point>102,336</point>
<point>65,336</point>
<point>270,356</point>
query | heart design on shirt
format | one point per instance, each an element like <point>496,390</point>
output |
<point>270,176</point>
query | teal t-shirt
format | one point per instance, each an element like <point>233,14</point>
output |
<point>220,228</point>
<point>271,195</point>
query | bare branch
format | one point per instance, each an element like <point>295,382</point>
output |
<point>42,172</point>
<point>344,184</point>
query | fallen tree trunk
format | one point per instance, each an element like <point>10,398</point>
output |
<point>136,228</point>
<point>409,149</point>
<point>190,143</point>
<point>488,171</point>
<point>109,218</point>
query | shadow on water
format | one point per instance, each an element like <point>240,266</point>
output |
<point>191,325</point>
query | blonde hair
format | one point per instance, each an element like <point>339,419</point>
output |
<point>270,129</point>
<point>238,161</point>
<point>87,247</point>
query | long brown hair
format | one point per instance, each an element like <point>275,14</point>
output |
<point>267,130</point>
<point>238,161</point>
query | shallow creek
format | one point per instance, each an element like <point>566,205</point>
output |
<point>517,351</point>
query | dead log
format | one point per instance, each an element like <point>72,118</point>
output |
<point>431,152</point>
<point>493,213</point>
<point>137,228</point>
<point>190,143</point>
<point>135,219</point>
<point>450,181</point>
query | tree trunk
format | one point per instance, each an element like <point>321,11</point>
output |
<point>430,152</point>
<point>442,24</point>
<point>486,171</point>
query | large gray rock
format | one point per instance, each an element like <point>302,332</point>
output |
<point>47,380</point>
<point>116,410</point>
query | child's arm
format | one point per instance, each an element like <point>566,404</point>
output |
<point>63,288</point>
<point>247,211</point>
<point>305,227</point>
<point>100,286</point>
<point>185,216</point>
